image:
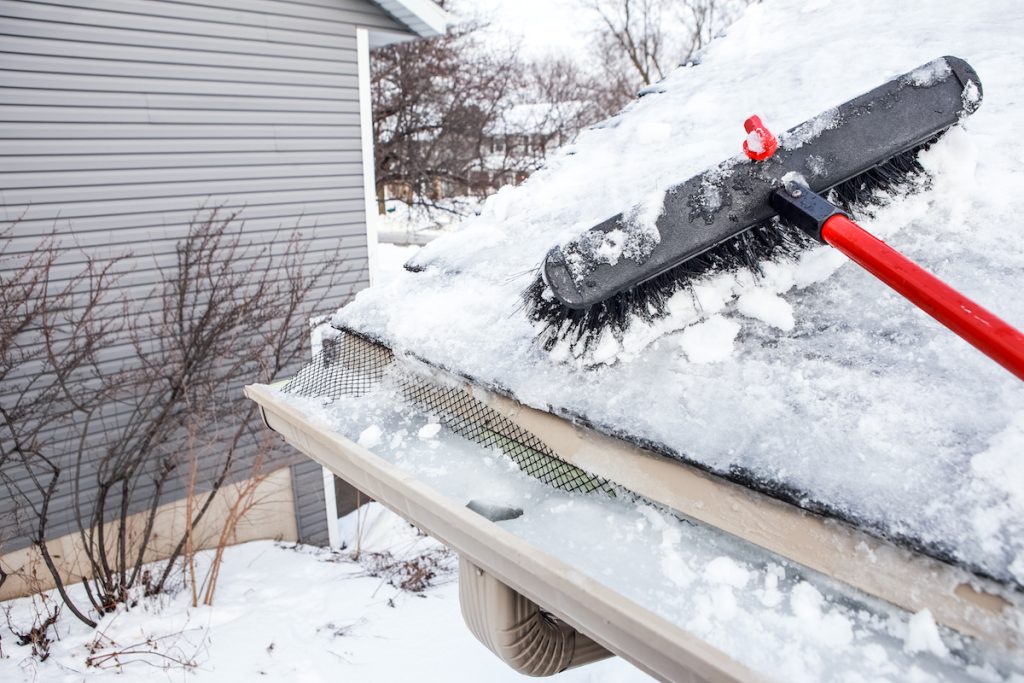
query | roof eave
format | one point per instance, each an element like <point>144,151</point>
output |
<point>424,17</point>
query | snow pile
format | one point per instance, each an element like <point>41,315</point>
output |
<point>816,378</point>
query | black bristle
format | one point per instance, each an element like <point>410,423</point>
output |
<point>765,241</point>
<point>876,185</point>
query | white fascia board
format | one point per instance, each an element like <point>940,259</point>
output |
<point>366,144</point>
<point>424,17</point>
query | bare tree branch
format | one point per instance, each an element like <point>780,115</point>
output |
<point>112,433</point>
<point>639,41</point>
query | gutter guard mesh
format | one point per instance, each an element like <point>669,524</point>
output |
<point>350,365</point>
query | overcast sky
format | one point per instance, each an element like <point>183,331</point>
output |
<point>542,26</point>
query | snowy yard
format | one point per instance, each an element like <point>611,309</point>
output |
<point>288,612</point>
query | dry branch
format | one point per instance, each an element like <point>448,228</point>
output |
<point>169,416</point>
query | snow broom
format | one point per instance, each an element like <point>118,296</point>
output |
<point>728,217</point>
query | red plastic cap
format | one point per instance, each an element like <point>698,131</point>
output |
<point>760,143</point>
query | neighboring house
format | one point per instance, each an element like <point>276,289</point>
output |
<point>528,132</point>
<point>119,119</point>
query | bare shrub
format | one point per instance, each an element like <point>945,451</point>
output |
<point>38,634</point>
<point>244,499</point>
<point>434,101</point>
<point>414,574</point>
<point>51,332</point>
<point>161,652</point>
<point>168,416</point>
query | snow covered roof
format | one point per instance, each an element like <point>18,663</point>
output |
<point>815,383</point>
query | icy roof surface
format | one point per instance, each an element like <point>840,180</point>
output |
<point>817,379</point>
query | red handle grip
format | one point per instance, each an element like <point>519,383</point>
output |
<point>979,327</point>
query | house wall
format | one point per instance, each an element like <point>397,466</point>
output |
<point>271,517</point>
<point>119,119</point>
<point>310,502</point>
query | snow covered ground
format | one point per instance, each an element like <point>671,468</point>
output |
<point>402,222</point>
<point>390,259</point>
<point>287,613</point>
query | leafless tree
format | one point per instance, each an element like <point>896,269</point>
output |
<point>634,29</point>
<point>704,19</point>
<point>569,96</point>
<point>228,312</point>
<point>640,41</point>
<point>434,102</point>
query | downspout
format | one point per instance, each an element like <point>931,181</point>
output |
<point>517,630</point>
<point>513,627</point>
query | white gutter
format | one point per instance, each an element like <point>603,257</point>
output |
<point>957,598</point>
<point>607,618</point>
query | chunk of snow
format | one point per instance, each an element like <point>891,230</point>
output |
<point>817,265</point>
<point>370,437</point>
<point>829,627</point>
<point>933,72</point>
<point>806,601</point>
<point>810,129</point>
<point>1017,567</point>
<point>606,350</point>
<point>766,307</point>
<point>723,602</point>
<point>754,143</point>
<point>611,246</point>
<point>709,196</point>
<point>429,431</point>
<point>770,595</point>
<point>971,96</point>
<point>791,178</point>
<point>923,635</point>
<point>1002,464</point>
<point>725,570</point>
<point>641,223</point>
<point>1000,467</point>
<point>710,341</point>
<point>673,562</point>
<point>816,164</point>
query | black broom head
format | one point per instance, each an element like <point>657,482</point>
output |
<point>767,240</point>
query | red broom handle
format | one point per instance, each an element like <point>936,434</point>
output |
<point>979,327</point>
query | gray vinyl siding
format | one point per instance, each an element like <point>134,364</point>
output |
<point>120,119</point>
<point>310,506</point>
